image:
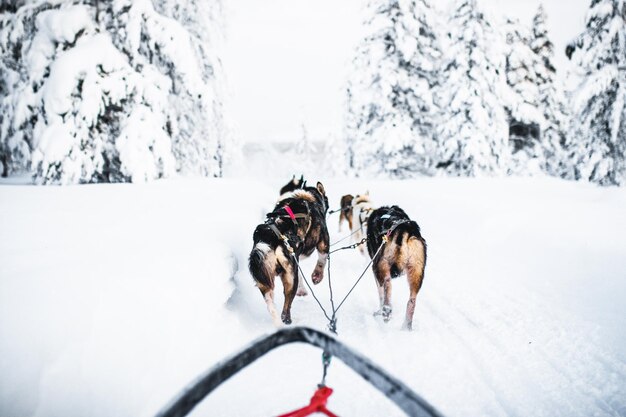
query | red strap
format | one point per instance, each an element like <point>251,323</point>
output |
<point>317,405</point>
<point>290,213</point>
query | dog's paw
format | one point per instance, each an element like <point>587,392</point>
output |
<point>408,326</point>
<point>302,292</point>
<point>286,318</point>
<point>386,313</point>
<point>316,277</point>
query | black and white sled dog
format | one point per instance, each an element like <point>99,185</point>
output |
<point>294,184</point>
<point>296,227</point>
<point>403,251</point>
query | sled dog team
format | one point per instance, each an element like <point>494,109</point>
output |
<point>296,227</point>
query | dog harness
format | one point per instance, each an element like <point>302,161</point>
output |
<point>386,235</point>
<point>290,213</point>
<point>293,216</point>
<point>281,236</point>
<point>367,211</point>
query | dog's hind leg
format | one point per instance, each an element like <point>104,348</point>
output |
<point>415,283</point>
<point>289,287</point>
<point>268,296</point>
<point>322,251</point>
<point>302,292</point>
<point>289,277</point>
<point>349,217</point>
<point>415,276</point>
<point>382,272</point>
<point>387,299</point>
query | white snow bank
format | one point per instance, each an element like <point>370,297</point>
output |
<point>112,298</point>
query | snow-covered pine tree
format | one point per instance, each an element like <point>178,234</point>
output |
<point>551,101</point>
<point>598,143</point>
<point>127,97</point>
<point>525,118</point>
<point>17,116</point>
<point>390,107</point>
<point>198,128</point>
<point>473,137</point>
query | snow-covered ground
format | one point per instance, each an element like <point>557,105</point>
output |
<point>113,297</point>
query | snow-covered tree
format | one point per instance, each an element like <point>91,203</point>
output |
<point>522,103</point>
<point>598,143</point>
<point>132,96</point>
<point>535,101</point>
<point>196,74</point>
<point>390,104</point>
<point>551,101</point>
<point>473,136</point>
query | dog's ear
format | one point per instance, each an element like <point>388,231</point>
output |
<point>302,179</point>
<point>320,188</point>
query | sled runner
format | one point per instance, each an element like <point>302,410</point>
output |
<point>408,401</point>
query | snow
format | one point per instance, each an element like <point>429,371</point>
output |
<point>114,297</point>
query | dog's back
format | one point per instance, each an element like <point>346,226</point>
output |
<point>316,204</point>
<point>346,203</point>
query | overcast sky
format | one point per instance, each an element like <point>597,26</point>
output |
<point>286,60</point>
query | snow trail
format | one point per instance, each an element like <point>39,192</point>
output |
<point>114,297</point>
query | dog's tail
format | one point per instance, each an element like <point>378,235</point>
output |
<point>410,227</point>
<point>258,265</point>
<point>415,240</point>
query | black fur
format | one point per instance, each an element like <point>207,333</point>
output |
<point>382,219</point>
<point>257,267</point>
<point>294,184</point>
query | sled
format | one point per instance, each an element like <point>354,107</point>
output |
<point>398,392</point>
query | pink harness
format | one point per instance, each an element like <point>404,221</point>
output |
<point>290,212</point>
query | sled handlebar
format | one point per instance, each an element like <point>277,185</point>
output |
<point>394,389</point>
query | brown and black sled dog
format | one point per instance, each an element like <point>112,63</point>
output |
<point>403,252</point>
<point>296,227</point>
<point>345,210</point>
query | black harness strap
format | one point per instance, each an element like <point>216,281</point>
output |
<point>281,236</point>
<point>367,211</point>
<point>344,209</point>
<point>387,234</point>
